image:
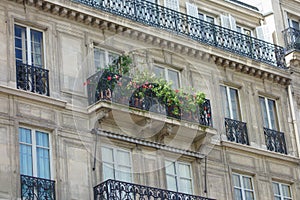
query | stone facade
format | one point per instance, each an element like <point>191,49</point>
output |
<point>78,131</point>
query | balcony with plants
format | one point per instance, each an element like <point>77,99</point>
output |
<point>143,91</point>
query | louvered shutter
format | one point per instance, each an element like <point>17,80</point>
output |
<point>263,33</point>
<point>172,4</point>
<point>191,10</point>
<point>228,22</point>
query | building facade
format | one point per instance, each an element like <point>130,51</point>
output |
<point>75,127</point>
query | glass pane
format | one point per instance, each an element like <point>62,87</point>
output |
<point>247,183</point>
<point>249,195</point>
<point>20,44</point>
<point>171,183</point>
<point>225,101</point>
<point>170,168</point>
<point>108,171</point>
<point>276,188</point>
<point>99,59</point>
<point>37,48</point>
<point>264,111</point>
<point>123,158</point>
<point>42,139</point>
<point>235,104</point>
<point>123,174</point>
<point>286,191</point>
<point>272,113</point>
<point>201,16</point>
<point>26,160</point>
<point>112,57</point>
<point>174,78</point>
<point>236,180</point>
<point>210,19</point>
<point>184,170</point>
<point>185,186</point>
<point>277,198</point>
<point>25,135</point>
<point>238,194</point>
<point>107,154</point>
<point>159,72</point>
<point>43,163</point>
<point>295,24</point>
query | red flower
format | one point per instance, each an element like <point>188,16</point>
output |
<point>176,90</point>
<point>109,78</point>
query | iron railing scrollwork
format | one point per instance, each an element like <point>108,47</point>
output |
<point>107,86</point>
<point>236,131</point>
<point>113,189</point>
<point>292,39</point>
<point>275,141</point>
<point>161,17</point>
<point>33,79</point>
<point>33,188</point>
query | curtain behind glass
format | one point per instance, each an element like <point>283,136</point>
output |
<point>25,151</point>
<point>264,112</point>
<point>36,48</point>
<point>42,154</point>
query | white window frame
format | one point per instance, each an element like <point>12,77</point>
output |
<point>177,176</point>
<point>229,101</point>
<point>166,74</point>
<point>106,56</point>
<point>268,113</point>
<point>280,190</point>
<point>116,164</point>
<point>242,188</point>
<point>29,56</point>
<point>34,147</point>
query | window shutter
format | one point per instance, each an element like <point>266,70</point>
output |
<point>172,4</point>
<point>232,23</point>
<point>228,22</point>
<point>263,33</point>
<point>191,10</point>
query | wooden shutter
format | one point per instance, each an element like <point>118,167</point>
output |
<point>172,4</point>
<point>191,10</point>
<point>228,22</point>
<point>263,33</point>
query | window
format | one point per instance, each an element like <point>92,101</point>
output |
<point>179,177</point>
<point>170,75</point>
<point>243,30</point>
<point>268,111</point>
<point>116,164</point>
<point>243,187</point>
<point>281,191</point>
<point>294,23</point>
<point>34,153</point>
<point>206,18</point>
<point>29,46</point>
<point>103,58</point>
<point>230,102</point>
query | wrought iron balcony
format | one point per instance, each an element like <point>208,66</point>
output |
<point>112,189</point>
<point>275,141</point>
<point>201,31</point>
<point>106,86</point>
<point>33,79</point>
<point>37,188</point>
<point>291,39</point>
<point>236,131</point>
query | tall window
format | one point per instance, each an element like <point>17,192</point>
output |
<point>116,164</point>
<point>281,191</point>
<point>169,74</point>
<point>34,153</point>
<point>179,177</point>
<point>29,46</point>
<point>103,58</point>
<point>243,187</point>
<point>230,102</point>
<point>268,111</point>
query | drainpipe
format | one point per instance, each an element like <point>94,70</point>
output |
<point>294,121</point>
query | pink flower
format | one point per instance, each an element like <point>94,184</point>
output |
<point>176,90</point>
<point>109,78</point>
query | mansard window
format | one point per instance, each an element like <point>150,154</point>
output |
<point>179,177</point>
<point>243,187</point>
<point>281,191</point>
<point>268,111</point>
<point>34,153</point>
<point>117,164</point>
<point>103,57</point>
<point>169,74</point>
<point>230,101</point>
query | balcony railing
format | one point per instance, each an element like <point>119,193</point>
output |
<point>102,86</point>
<point>112,190</point>
<point>292,39</point>
<point>275,141</point>
<point>33,188</point>
<point>33,79</point>
<point>236,131</point>
<point>161,17</point>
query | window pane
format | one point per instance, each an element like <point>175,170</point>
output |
<point>123,158</point>
<point>225,101</point>
<point>247,183</point>
<point>20,44</point>
<point>184,170</point>
<point>26,160</point>
<point>25,135</point>
<point>112,57</point>
<point>174,78</point>
<point>238,194</point>
<point>264,111</point>
<point>37,48</point>
<point>276,188</point>
<point>99,59</point>
<point>236,180</point>
<point>170,168</point>
<point>107,154</point>
<point>249,195</point>
<point>201,16</point>
<point>272,114</point>
<point>43,163</point>
<point>234,104</point>
<point>123,174</point>
<point>210,19</point>
<point>42,139</point>
<point>171,183</point>
<point>286,191</point>
<point>159,72</point>
<point>185,186</point>
<point>108,171</point>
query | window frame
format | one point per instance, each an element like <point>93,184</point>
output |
<point>280,190</point>
<point>28,29</point>
<point>242,188</point>
<point>106,56</point>
<point>34,147</point>
<point>114,163</point>
<point>228,99</point>
<point>177,176</point>
<point>205,16</point>
<point>166,73</point>
<point>243,30</point>
<point>276,117</point>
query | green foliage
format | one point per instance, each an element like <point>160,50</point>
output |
<point>121,65</point>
